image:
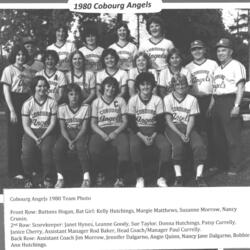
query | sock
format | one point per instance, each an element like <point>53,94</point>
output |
<point>86,176</point>
<point>199,170</point>
<point>59,176</point>
<point>177,169</point>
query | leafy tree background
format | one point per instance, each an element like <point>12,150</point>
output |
<point>181,26</point>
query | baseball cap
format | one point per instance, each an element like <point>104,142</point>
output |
<point>224,42</point>
<point>28,39</point>
<point>197,44</point>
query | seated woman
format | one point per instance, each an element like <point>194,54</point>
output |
<point>181,109</point>
<point>108,123</point>
<point>146,121</point>
<point>39,120</point>
<point>142,64</point>
<point>74,118</point>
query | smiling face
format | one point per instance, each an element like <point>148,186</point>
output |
<point>141,63</point>
<point>77,61</point>
<point>122,33</point>
<point>224,54</point>
<point>145,88</point>
<point>175,60</point>
<point>20,58</point>
<point>109,90</point>
<point>50,62</point>
<point>41,88</point>
<point>198,53</point>
<point>73,97</point>
<point>60,35</point>
<point>90,40</point>
<point>181,87</point>
<point>109,61</point>
<point>155,29</point>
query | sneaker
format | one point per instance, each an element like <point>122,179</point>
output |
<point>178,181</point>
<point>140,182</point>
<point>119,183</point>
<point>47,183</point>
<point>201,182</point>
<point>28,184</point>
<point>161,182</point>
<point>19,177</point>
<point>100,180</point>
<point>231,173</point>
<point>59,183</point>
<point>86,183</point>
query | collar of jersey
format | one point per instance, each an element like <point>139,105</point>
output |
<point>72,111</point>
<point>179,101</point>
<point>40,104</point>
<point>225,64</point>
<point>48,75</point>
<point>122,46</point>
<point>145,102</point>
<point>199,64</point>
<point>108,103</point>
<point>111,74</point>
<point>154,42</point>
<point>91,49</point>
<point>59,47</point>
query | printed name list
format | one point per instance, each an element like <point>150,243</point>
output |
<point>129,218</point>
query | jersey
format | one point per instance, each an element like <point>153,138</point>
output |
<point>86,82</point>
<point>157,52</point>
<point>93,58</point>
<point>63,52</point>
<point>145,112</point>
<point>226,77</point>
<point>109,114</point>
<point>202,77</point>
<point>126,54</point>
<point>181,109</point>
<point>18,80</point>
<point>39,113</point>
<point>56,80</point>
<point>73,119</point>
<point>166,76</point>
<point>120,75</point>
<point>134,72</point>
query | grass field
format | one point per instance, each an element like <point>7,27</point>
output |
<point>74,179</point>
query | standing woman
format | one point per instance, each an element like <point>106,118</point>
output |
<point>142,64</point>
<point>91,51</point>
<point>157,47</point>
<point>124,48</point>
<point>110,61</point>
<point>85,79</point>
<point>55,78</point>
<point>74,117</point>
<point>108,123</point>
<point>39,120</point>
<point>174,60</point>
<point>62,47</point>
<point>146,121</point>
<point>15,88</point>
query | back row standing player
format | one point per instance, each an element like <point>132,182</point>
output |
<point>202,70</point>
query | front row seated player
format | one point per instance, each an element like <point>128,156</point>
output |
<point>146,122</point>
<point>73,117</point>
<point>108,123</point>
<point>181,109</point>
<point>39,120</point>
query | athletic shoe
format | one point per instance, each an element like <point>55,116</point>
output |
<point>231,173</point>
<point>28,184</point>
<point>119,183</point>
<point>100,180</point>
<point>86,183</point>
<point>161,182</point>
<point>59,183</point>
<point>18,177</point>
<point>178,181</point>
<point>200,181</point>
<point>47,183</point>
<point>140,182</point>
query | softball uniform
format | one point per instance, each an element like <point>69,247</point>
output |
<point>73,121</point>
<point>19,83</point>
<point>63,52</point>
<point>56,80</point>
<point>157,52</point>
<point>40,117</point>
<point>109,117</point>
<point>227,130</point>
<point>86,81</point>
<point>181,110</point>
<point>92,57</point>
<point>126,54</point>
<point>146,117</point>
